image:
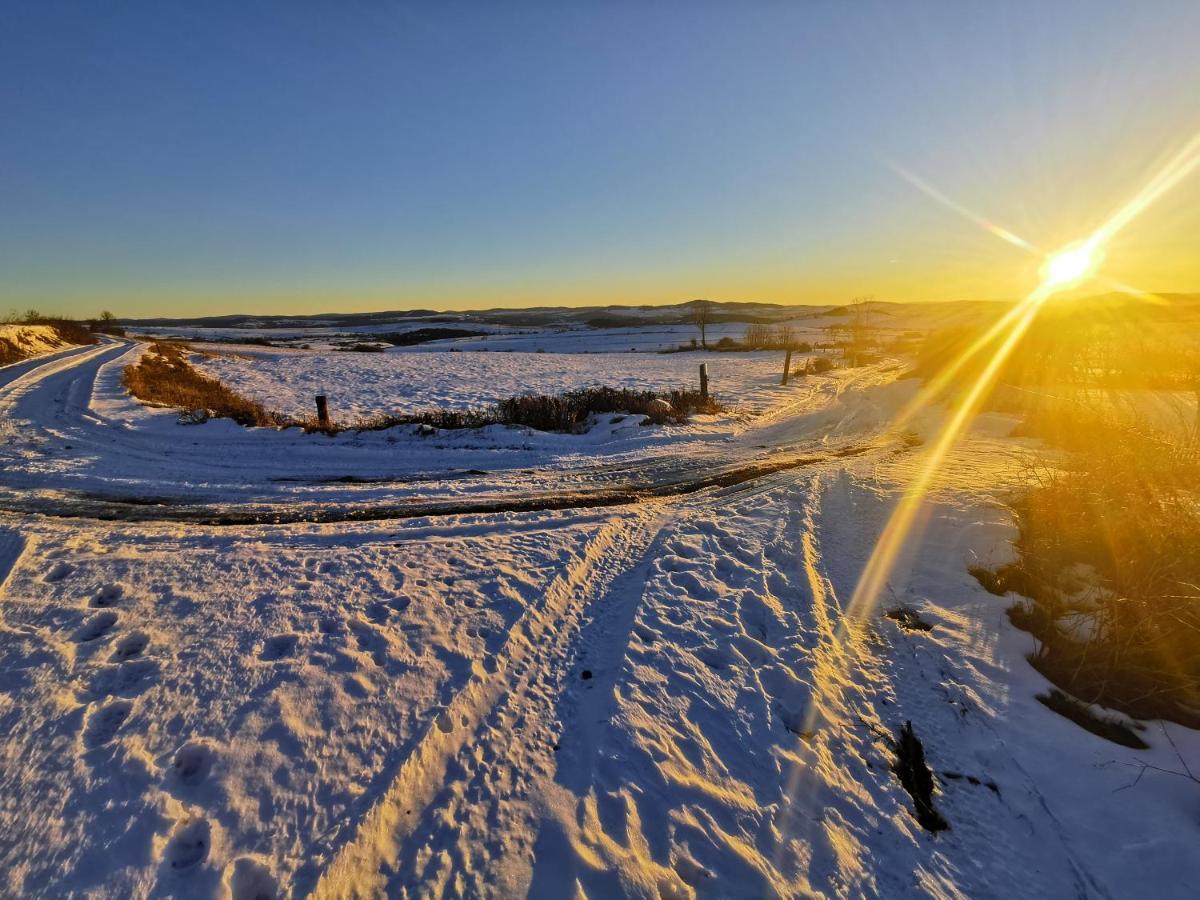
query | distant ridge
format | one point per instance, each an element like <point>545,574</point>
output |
<point>611,315</point>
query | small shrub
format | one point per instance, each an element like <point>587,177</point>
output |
<point>912,770</point>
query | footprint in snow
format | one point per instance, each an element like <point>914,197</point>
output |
<point>58,572</point>
<point>378,612</point>
<point>189,844</point>
<point>105,722</point>
<point>124,679</point>
<point>278,647</point>
<point>108,595</point>
<point>248,879</point>
<point>131,646</point>
<point>192,763</point>
<point>96,627</point>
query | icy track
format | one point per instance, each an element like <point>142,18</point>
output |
<point>661,698</point>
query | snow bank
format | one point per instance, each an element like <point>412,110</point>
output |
<point>18,342</point>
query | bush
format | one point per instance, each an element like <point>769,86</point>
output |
<point>819,365</point>
<point>569,412</point>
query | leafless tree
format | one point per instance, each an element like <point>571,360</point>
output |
<point>860,333</point>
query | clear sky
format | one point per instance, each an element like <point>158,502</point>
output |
<point>167,158</point>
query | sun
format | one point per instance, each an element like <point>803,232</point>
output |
<point>1070,266</point>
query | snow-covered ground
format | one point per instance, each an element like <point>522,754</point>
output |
<point>656,698</point>
<point>24,342</point>
<point>362,384</point>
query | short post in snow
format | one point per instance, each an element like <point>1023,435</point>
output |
<point>323,411</point>
<point>703,381</point>
<point>787,366</point>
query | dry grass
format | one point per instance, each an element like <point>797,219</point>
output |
<point>569,413</point>
<point>163,377</point>
<point>1109,533</point>
<point>1109,521</point>
<point>68,330</point>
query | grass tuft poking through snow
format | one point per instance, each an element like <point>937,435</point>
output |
<point>912,770</point>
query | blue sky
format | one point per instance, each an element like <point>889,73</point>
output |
<point>175,159</point>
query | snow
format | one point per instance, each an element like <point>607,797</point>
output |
<point>363,384</point>
<point>655,698</point>
<point>31,341</point>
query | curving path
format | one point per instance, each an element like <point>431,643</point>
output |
<point>72,442</point>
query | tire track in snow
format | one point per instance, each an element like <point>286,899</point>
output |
<point>361,866</point>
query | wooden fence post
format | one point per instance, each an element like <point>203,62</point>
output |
<point>704,381</point>
<point>323,411</point>
<point>787,366</point>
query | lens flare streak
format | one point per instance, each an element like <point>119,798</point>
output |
<point>1063,270</point>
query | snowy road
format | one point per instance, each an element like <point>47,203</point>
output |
<point>74,443</point>
<point>662,698</point>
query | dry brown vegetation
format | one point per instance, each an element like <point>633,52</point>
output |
<point>570,412</point>
<point>1107,559</point>
<point>68,330</point>
<point>1109,520</point>
<point>163,377</point>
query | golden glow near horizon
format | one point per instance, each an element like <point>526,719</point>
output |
<point>1067,268</point>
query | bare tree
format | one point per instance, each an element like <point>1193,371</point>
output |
<point>701,316</point>
<point>860,334</point>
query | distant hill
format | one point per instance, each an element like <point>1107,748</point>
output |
<point>618,316</point>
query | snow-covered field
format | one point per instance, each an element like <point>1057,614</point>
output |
<point>662,697</point>
<point>362,384</point>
